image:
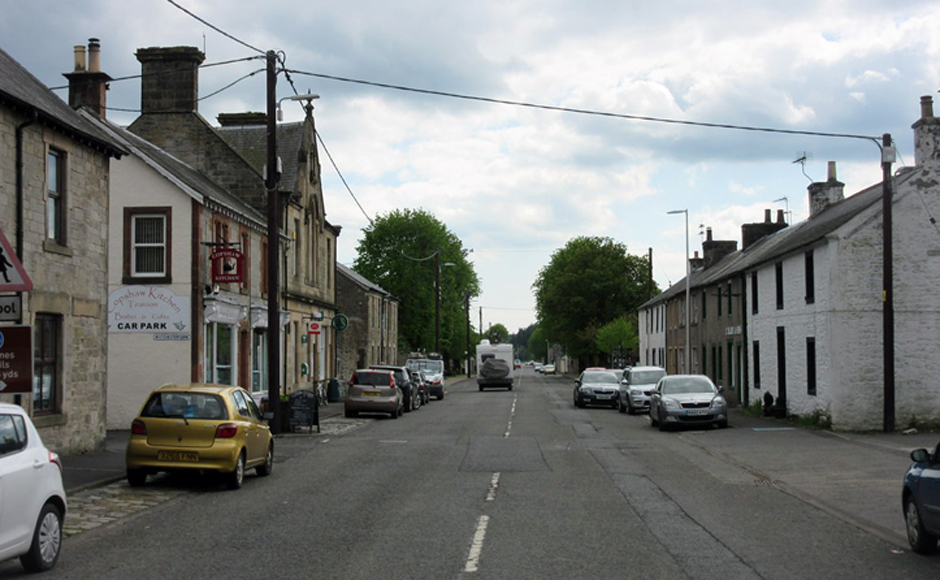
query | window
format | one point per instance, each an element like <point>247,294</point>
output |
<point>47,359</point>
<point>259,361</point>
<point>729,298</point>
<point>55,197</point>
<point>778,272</point>
<point>810,277</point>
<point>811,365</point>
<point>704,303</point>
<point>147,244</point>
<point>220,353</point>
<point>756,348</point>
<point>718,302</point>
<point>754,295</point>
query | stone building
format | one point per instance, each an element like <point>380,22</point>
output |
<point>372,334</point>
<point>233,157</point>
<point>54,181</point>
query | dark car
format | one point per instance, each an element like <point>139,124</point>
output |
<point>418,378</point>
<point>597,387</point>
<point>687,400</point>
<point>409,389</point>
<point>920,500</point>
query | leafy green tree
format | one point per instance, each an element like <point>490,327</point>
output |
<point>399,252</point>
<point>617,338</point>
<point>588,283</point>
<point>538,347</point>
<point>520,342</point>
<point>497,333</point>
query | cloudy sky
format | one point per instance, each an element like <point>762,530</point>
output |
<point>515,183</point>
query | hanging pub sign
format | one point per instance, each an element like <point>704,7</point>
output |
<point>228,265</point>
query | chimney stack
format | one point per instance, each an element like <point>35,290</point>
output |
<point>822,195</point>
<point>87,84</point>
<point>926,135</point>
<point>715,250</point>
<point>170,82</point>
<point>751,233</point>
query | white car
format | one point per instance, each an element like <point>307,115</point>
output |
<point>32,498</point>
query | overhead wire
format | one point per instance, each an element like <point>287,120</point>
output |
<point>216,28</point>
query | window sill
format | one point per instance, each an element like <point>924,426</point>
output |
<point>56,248</point>
<point>51,420</point>
<point>146,281</point>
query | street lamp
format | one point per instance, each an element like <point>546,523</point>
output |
<point>688,305</point>
<point>305,97</point>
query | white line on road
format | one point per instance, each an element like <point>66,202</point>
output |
<point>476,546</point>
<point>512,414</point>
<point>494,484</point>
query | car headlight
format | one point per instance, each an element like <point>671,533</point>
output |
<point>670,404</point>
<point>718,402</point>
<point>636,392</point>
<point>587,390</point>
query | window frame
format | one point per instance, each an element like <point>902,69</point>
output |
<point>56,196</point>
<point>130,247</point>
<point>47,364</point>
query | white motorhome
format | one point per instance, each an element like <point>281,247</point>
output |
<point>494,365</point>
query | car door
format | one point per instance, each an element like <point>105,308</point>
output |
<point>17,484</point>
<point>930,492</point>
<point>253,439</point>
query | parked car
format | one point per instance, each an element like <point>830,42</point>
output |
<point>433,370</point>
<point>596,387</point>
<point>420,381</point>
<point>403,381</point>
<point>636,387</point>
<point>199,427</point>
<point>374,391</point>
<point>687,400</point>
<point>548,370</point>
<point>539,367</point>
<point>920,499</point>
<point>32,498</point>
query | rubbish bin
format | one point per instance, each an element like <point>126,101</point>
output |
<point>332,391</point>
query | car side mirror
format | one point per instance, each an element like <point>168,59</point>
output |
<point>920,455</point>
<point>721,389</point>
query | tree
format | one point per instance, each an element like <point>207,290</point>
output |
<point>617,338</point>
<point>588,283</point>
<point>398,252</point>
<point>538,347</point>
<point>520,342</point>
<point>497,333</point>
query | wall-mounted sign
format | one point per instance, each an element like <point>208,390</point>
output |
<point>227,265</point>
<point>11,307</point>
<point>16,359</point>
<point>314,328</point>
<point>152,309</point>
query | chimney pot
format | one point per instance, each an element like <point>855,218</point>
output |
<point>94,55</point>
<point>79,58</point>
<point>926,107</point>
<point>708,234</point>
<point>767,216</point>
<point>832,171</point>
<point>780,218</point>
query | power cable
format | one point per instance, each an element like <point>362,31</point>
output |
<point>216,28</point>
<point>343,179</point>
<point>586,111</point>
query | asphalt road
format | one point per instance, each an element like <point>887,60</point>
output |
<point>522,485</point>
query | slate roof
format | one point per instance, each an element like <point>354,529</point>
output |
<point>20,90</point>
<point>783,242</point>
<point>189,179</point>
<point>251,142</point>
<point>358,279</point>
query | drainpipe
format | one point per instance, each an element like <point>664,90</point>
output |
<point>19,182</point>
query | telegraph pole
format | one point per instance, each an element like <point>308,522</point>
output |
<point>887,158</point>
<point>271,187</point>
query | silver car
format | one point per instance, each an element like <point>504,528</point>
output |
<point>637,386</point>
<point>687,400</point>
<point>596,387</point>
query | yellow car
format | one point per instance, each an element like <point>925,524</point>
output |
<point>199,426</point>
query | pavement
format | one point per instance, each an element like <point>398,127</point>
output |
<point>99,468</point>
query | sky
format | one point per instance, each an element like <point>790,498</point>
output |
<point>624,90</point>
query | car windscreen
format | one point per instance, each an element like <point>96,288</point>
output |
<point>687,386</point>
<point>434,366</point>
<point>187,405</point>
<point>598,377</point>
<point>374,379</point>
<point>646,377</point>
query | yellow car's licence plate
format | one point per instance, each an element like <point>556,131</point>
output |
<point>372,393</point>
<point>190,456</point>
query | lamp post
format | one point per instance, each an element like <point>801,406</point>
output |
<point>688,305</point>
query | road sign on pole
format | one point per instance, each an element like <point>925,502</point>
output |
<point>13,277</point>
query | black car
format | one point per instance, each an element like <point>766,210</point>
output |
<point>597,387</point>
<point>920,500</point>
<point>403,380</point>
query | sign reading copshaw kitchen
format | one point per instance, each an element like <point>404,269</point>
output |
<point>151,309</point>
<point>227,265</point>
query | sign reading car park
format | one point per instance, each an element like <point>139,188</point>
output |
<point>16,359</point>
